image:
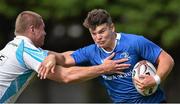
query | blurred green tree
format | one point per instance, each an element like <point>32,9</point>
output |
<point>157,19</point>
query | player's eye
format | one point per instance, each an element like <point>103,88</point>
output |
<point>102,31</point>
<point>93,34</point>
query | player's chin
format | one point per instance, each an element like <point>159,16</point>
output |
<point>101,45</point>
<point>41,44</point>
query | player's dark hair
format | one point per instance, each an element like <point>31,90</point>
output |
<point>97,17</point>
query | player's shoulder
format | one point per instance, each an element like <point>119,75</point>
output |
<point>131,36</point>
<point>91,46</point>
<point>30,46</point>
<point>89,49</point>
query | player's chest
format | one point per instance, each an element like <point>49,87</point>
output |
<point>119,54</point>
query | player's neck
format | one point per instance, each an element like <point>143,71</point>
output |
<point>112,44</point>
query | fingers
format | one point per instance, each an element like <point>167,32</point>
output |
<point>123,65</point>
<point>40,70</point>
<point>139,84</point>
<point>141,77</point>
<point>121,68</point>
<point>116,66</point>
<point>42,73</point>
<point>137,81</point>
<point>142,82</point>
<point>44,70</point>
<point>45,74</point>
<point>48,67</point>
<point>121,60</point>
<point>52,69</point>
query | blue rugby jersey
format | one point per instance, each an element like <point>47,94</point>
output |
<point>120,87</point>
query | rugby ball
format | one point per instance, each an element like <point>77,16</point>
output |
<point>144,68</point>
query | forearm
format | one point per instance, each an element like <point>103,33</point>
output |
<point>60,60</point>
<point>64,58</point>
<point>75,74</point>
<point>165,65</point>
<point>69,60</point>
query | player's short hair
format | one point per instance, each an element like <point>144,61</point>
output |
<point>97,17</point>
<point>26,19</point>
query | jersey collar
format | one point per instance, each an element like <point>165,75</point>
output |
<point>24,38</point>
<point>118,37</point>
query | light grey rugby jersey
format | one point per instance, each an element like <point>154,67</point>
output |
<point>19,60</point>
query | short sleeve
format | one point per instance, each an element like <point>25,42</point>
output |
<point>33,58</point>
<point>82,56</point>
<point>30,57</point>
<point>147,49</point>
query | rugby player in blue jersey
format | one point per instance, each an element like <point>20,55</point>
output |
<point>22,57</point>
<point>132,47</point>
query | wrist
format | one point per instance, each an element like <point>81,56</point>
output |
<point>101,69</point>
<point>157,79</point>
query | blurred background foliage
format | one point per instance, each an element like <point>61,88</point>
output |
<point>158,20</point>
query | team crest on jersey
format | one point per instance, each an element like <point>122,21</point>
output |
<point>125,55</point>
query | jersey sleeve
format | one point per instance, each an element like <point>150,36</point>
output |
<point>30,57</point>
<point>81,56</point>
<point>33,58</point>
<point>147,49</point>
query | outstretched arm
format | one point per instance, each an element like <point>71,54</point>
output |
<point>48,65</point>
<point>78,74</point>
<point>75,74</point>
<point>64,58</point>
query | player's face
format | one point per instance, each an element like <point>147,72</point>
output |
<point>40,35</point>
<point>103,36</point>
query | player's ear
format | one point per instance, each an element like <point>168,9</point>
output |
<point>31,28</point>
<point>112,27</point>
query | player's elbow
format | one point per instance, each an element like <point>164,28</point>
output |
<point>60,76</point>
<point>68,75</point>
<point>167,60</point>
<point>171,61</point>
<point>67,79</point>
